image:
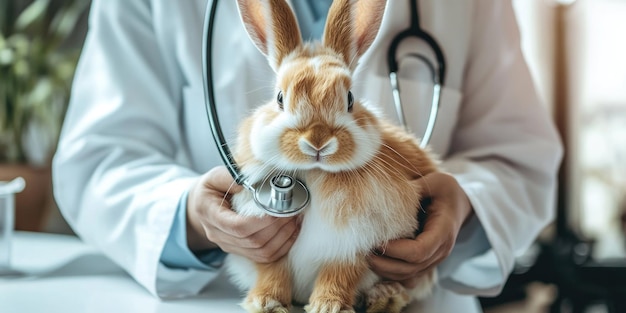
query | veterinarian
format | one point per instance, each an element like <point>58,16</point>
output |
<point>137,175</point>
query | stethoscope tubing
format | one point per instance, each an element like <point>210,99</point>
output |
<point>211,108</point>
<point>276,200</point>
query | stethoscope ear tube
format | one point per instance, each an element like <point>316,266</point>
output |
<point>438,75</point>
<point>434,110</point>
<point>434,107</point>
<point>416,31</point>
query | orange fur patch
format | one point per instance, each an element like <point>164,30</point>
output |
<point>338,282</point>
<point>403,149</point>
<point>315,84</point>
<point>318,134</point>
<point>363,117</point>
<point>273,282</point>
<point>289,146</point>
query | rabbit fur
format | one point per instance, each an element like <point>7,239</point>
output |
<point>358,167</point>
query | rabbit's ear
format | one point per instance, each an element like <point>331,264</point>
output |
<point>272,26</point>
<point>352,26</point>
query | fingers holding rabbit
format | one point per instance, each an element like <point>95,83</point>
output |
<point>212,223</point>
<point>406,260</point>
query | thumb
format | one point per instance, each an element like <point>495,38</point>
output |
<point>219,179</point>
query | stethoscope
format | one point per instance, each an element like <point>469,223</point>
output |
<point>284,195</point>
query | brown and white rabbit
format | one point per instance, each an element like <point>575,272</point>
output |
<point>357,166</point>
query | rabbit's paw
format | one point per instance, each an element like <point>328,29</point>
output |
<point>387,297</point>
<point>263,304</point>
<point>326,306</point>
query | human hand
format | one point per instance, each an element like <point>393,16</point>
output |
<point>406,260</point>
<point>211,222</point>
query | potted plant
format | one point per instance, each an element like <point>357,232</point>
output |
<point>36,70</point>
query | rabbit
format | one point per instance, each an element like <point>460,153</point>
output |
<point>357,166</point>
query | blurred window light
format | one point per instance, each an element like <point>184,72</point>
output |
<point>565,2</point>
<point>600,120</point>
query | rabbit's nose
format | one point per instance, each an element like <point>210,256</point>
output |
<point>316,150</point>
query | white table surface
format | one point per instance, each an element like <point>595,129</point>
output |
<point>64,275</point>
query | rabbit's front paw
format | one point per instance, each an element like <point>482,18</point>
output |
<point>263,304</point>
<point>387,297</point>
<point>326,306</point>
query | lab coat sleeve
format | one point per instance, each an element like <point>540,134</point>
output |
<point>177,254</point>
<point>505,155</point>
<point>119,171</point>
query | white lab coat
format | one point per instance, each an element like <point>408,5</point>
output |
<point>136,135</point>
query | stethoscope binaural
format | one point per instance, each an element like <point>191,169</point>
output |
<point>438,75</point>
<point>284,195</point>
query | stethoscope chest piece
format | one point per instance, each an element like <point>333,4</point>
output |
<point>281,196</point>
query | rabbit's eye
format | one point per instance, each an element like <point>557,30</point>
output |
<point>350,101</point>
<point>279,100</point>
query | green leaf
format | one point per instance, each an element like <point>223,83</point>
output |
<point>65,21</point>
<point>42,91</point>
<point>32,15</point>
<point>6,56</point>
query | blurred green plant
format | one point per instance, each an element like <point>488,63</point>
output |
<point>36,71</point>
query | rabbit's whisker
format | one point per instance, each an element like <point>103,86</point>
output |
<point>412,167</point>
